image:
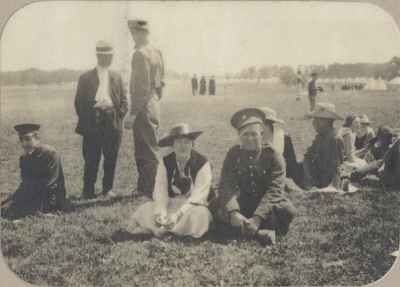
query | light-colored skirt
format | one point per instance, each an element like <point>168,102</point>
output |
<point>195,222</point>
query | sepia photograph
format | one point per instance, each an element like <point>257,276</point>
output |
<point>200,143</point>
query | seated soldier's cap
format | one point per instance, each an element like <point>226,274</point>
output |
<point>324,111</point>
<point>27,128</point>
<point>138,24</point>
<point>103,47</point>
<point>271,115</point>
<point>247,117</point>
<point>179,131</point>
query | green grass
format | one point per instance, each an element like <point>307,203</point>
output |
<point>334,240</point>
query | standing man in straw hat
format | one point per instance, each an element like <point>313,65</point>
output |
<point>146,84</point>
<point>251,198</point>
<point>42,188</point>
<point>322,160</point>
<point>101,105</point>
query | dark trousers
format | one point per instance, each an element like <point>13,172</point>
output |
<point>312,100</point>
<point>106,142</point>
<point>145,134</point>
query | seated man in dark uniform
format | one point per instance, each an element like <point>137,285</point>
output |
<point>42,188</point>
<point>251,199</point>
<point>323,159</point>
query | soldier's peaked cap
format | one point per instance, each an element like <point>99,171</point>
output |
<point>26,128</point>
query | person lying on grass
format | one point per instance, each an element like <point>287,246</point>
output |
<point>384,149</point>
<point>251,201</point>
<point>42,188</point>
<point>181,191</point>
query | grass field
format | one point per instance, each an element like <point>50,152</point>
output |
<point>334,240</point>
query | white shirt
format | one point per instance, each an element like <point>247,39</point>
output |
<point>197,195</point>
<point>103,97</point>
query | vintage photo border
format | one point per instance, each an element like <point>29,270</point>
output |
<point>9,7</point>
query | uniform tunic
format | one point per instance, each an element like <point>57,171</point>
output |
<point>253,184</point>
<point>173,192</point>
<point>147,74</point>
<point>322,160</point>
<point>42,185</point>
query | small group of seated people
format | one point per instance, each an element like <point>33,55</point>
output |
<point>42,187</point>
<point>383,152</point>
<point>250,202</point>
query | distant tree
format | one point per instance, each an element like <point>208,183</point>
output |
<point>287,76</point>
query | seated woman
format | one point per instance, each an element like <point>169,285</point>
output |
<point>275,135</point>
<point>364,135</point>
<point>181,191</point>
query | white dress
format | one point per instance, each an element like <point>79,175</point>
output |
<point>195,219</point>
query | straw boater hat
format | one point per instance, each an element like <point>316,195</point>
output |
<point>271,115</point>
<point>364,120</point>
<point>179,131</point>
<point>247,117</point>
<point>138,24</point>
<point>324,111</point>
<point>104,48</point>
<point>27,128</point>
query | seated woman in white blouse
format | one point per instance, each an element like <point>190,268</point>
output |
<point>181,191</point>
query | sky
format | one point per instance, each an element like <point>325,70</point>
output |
<point>200,37</point>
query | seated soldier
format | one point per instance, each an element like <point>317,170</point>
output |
<point>251,199</point>
<point>275,135</point>
<point>42,188</point>
<point>322,160</point>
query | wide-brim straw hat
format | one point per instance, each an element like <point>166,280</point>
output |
<point>271,115</point>
<point>364,120</point>
<point>179,131</point>
<point>324,111</point>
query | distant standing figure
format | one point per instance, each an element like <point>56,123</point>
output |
<point>195,85</point>
<point>203,86</point>
<point>211,86</point>
<point>313,91</point>
<point>42,188</point>
<point>146,85</point>
<point>101,106</point>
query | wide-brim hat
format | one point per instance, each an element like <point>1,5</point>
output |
<point>138,24</point>
<point>179,131</point>
<point>247,116</point>
<point>364,120</point>
<point>104,48</point>
<point>324,111</point>
<point>26,128</point>
<point>271,115</point>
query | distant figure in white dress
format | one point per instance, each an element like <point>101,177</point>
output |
<point>180,197</point>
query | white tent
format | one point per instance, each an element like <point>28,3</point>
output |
<point>376,85</point>
<point>395,81</point>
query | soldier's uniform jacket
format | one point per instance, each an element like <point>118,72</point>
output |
<point>147,75</point>
<point>324,158</point>
<point>42,185</point>
<point>251,183</point>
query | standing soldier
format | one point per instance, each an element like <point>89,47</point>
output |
<point>146,84</point>
<point>203,86</point>
<point>313,90</point>
<point>211,86</point>
<point>42,187</point>
<point>195,85</point>
<point>101,105</point>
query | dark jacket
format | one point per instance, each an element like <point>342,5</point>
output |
<point>88,121</point>
<point>193,166</point>
<point>323,159</point>
<point>252,185</point>
<point>42,185</point>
